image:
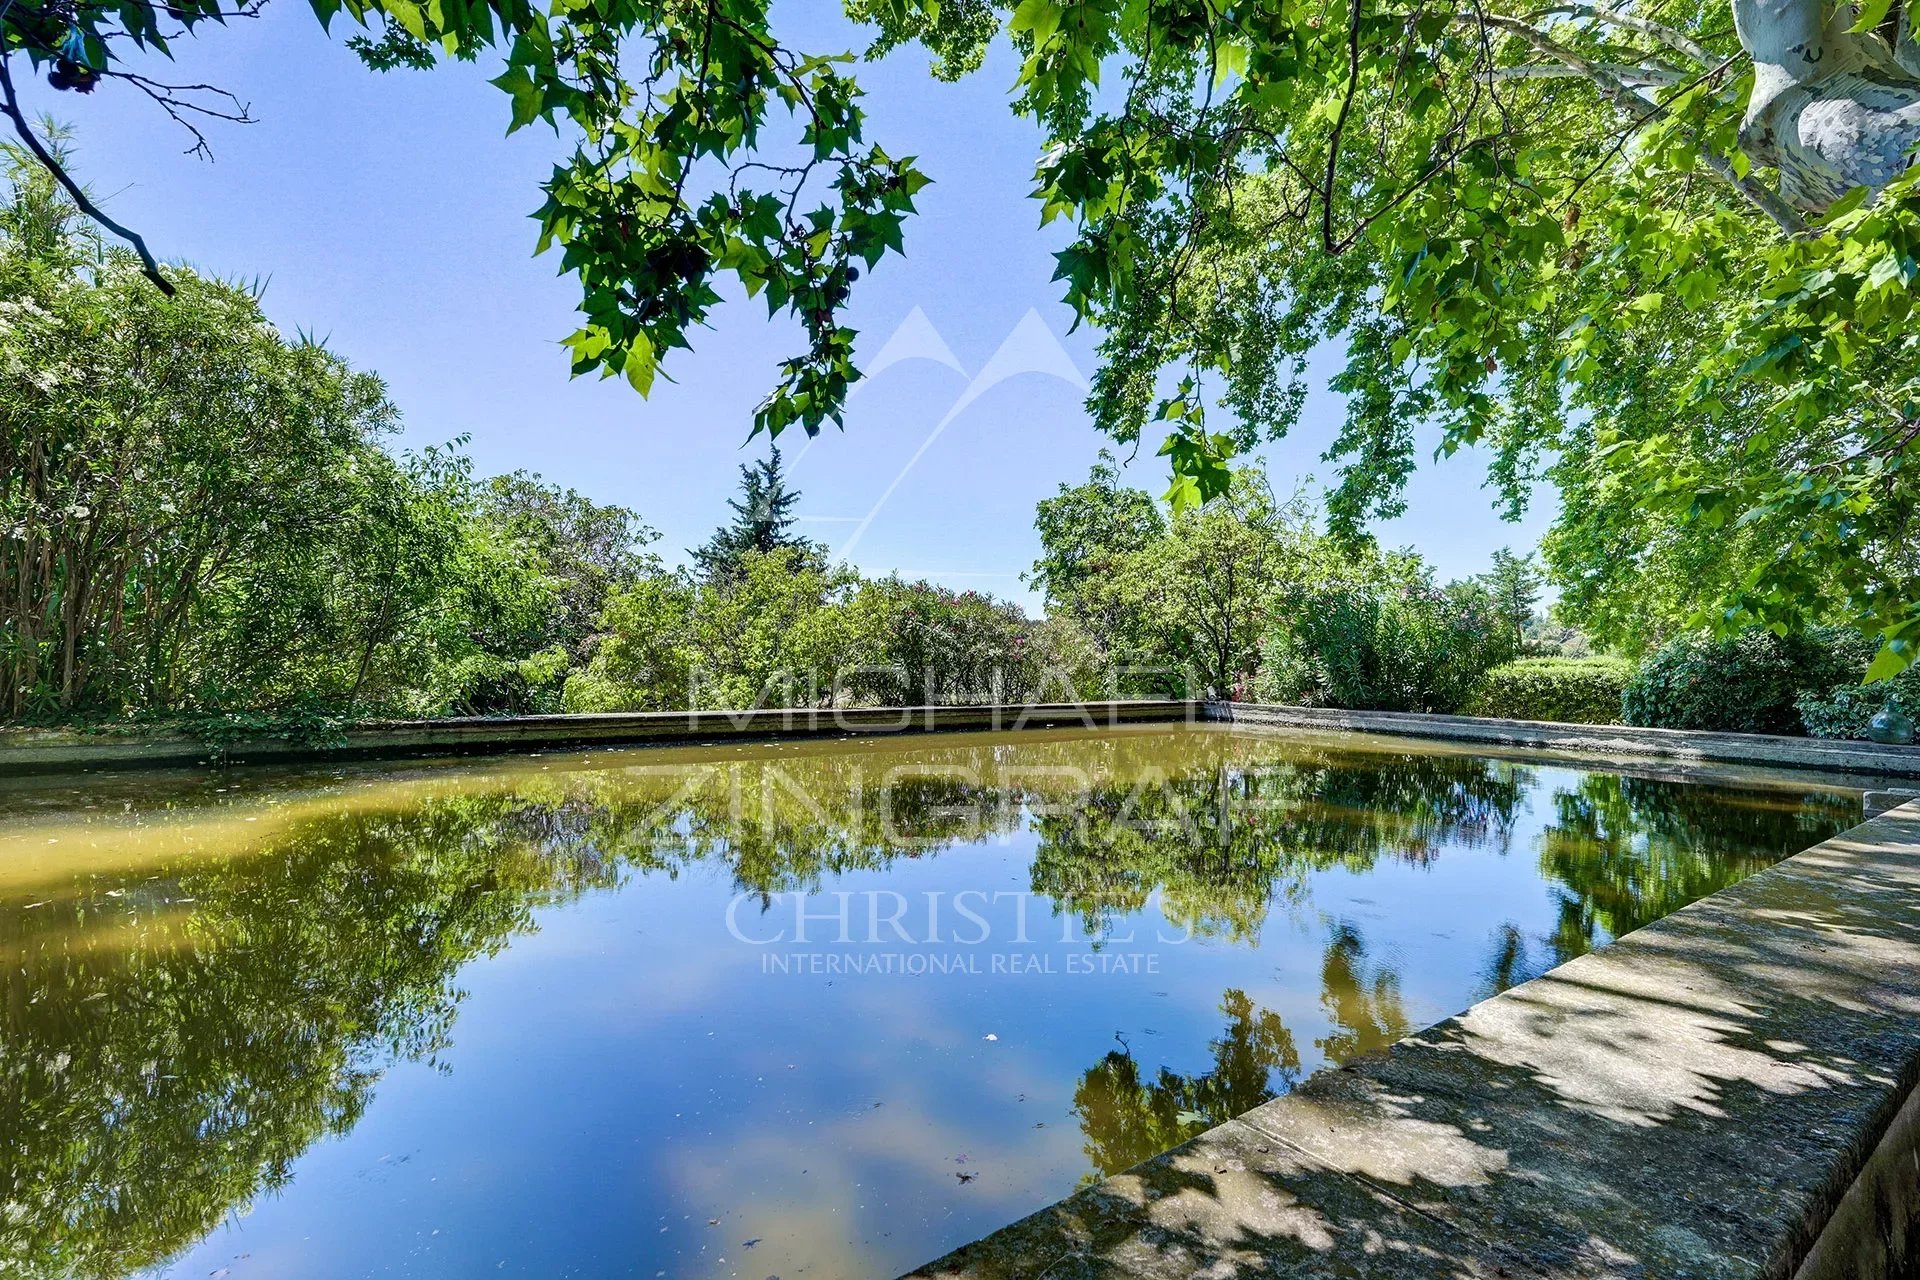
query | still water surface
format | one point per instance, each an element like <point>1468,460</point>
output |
<point>808,1010</point>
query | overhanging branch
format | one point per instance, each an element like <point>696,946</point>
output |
<point>10,103</point>
<point>1622,95</point>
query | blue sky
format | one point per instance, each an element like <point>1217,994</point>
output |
<point>388,214</point>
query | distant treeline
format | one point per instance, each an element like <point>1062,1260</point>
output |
<point>202,520</point>
<point>201,523</point>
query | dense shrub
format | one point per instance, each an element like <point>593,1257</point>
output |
<point>1402,648</point>
<point>1748,683</point>
<point>783,628</point>
<point>1844,710</point>
<point>1569,690</point>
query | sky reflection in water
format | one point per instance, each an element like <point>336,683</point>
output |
<point>549,1016</point>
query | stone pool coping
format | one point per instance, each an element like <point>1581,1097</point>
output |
<point>54,750</point>
<point>24,751</point>
<point>1679,745</point>
<point>1725,1094</point>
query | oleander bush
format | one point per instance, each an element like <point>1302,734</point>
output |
<point>1751,682</point>
<point>1568,690</point>
<point>1405,646</point>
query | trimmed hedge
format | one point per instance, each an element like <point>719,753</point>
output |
<point>1568,690</point>
<point>1748,683</point>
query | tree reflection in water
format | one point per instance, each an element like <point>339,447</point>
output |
<point>195,993</point>
<point>1127,1119</point>
<point>1220,842</point>
<point>1621,852</point>
<point>174,1042</point>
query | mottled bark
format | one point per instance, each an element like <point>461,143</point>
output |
<point>1831,109</point>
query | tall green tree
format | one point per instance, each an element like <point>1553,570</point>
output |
<point>1205,590</point>
<point>1515,583</point>
<point>155,451</point>
<point>199,516</point>
<point>762,522</point>
<point>1086,532</point>
<point>586,549</point>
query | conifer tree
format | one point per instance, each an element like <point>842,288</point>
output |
<point>762,521</point>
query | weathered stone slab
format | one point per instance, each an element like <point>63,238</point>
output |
<point>1694,1100</point>
<point>1684,745</point>
<point>1233,1202</point>
<point>46,750</point>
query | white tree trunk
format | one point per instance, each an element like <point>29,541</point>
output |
<point>1831,110</point>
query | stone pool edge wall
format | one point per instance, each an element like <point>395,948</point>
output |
<point>24,750</point>
<point>60,750</point>
<point>1679,745</point>
<point>1725,1094</point>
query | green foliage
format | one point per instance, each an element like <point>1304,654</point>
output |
<point>1845,710</point>
<point>1177,603</point>
<point>199,521</point>
<point>1245,595</point>
<point>311,725</point>
<point>1514,582</point>
<point>1570,268</point>
<point>1202,592</point>
<point>644,661</point>
<point>1567,690</point>
<point>703,154</point>
<point>1087,532</point>
<point>787,630</point>
<point>1538,230</point>
<point>584,551</point>
<point>1393,643</point>
<point>1747,683</point>
<point>762,521</point>
<point>922,643</point>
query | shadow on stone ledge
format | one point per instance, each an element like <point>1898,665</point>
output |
<point>1692,1101</point>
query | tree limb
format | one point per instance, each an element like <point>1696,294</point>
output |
<point>11,105</point>
<point>1560,71</point>
<point>1666,35</point>
<point>1622,95</point>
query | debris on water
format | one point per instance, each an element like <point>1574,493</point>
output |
<point>965,1178</point>
<point>748,1244</point>
<point>713,1222</point>
<point>990,1036</point>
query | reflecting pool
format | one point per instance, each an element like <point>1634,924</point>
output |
<point>802,1010</point>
